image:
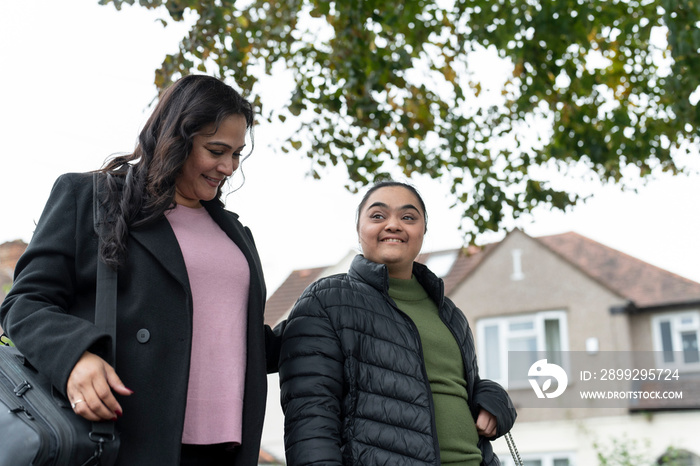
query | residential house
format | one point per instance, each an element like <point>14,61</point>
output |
<point>568,298</point>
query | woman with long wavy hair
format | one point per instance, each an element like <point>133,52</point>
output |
<point>192,349</point>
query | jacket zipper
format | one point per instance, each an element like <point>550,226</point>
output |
<point>433,423</point>
<point>436,443</point>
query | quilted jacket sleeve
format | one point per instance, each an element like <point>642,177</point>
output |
<point>311,378</point>
<point>493,398</point>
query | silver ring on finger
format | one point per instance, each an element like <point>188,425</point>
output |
<point>75,403</point>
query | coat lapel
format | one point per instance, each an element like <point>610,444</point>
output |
<point>159,239</point>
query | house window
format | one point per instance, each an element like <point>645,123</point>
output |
<point>676,336</point>
<point>533,336</point>
<point>546,459</point>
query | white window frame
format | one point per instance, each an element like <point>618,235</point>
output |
<point>547,459</point>
<point>503,322</point>
<point>677,328</point>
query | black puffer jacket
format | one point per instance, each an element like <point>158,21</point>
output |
<point>354,386</point>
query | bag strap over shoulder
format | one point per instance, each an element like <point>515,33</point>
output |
<point>106,299</point>
<point>105,319</point>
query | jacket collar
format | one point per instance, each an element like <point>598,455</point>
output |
<point>377,276</point>
<point>372,273</point>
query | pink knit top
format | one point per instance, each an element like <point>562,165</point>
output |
<point>219,279</point>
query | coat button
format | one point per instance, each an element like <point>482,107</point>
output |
<point>143,335</point>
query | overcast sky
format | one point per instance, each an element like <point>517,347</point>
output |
<point>75,87</point>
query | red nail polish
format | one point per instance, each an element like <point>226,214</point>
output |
<point>119,413</point>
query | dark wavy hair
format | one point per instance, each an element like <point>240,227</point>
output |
<point>390,184</point>
<point>138,188</point>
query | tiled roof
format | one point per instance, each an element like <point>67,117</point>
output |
<point>643,284</point>
<point>286,295</point>
<point>468,259</point>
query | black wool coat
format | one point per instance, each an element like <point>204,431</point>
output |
<point>49,314</point>
<point>354,386</point>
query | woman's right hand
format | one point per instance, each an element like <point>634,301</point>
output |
<point>90,387</point>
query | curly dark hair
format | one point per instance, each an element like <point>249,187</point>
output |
<point>139,187</point>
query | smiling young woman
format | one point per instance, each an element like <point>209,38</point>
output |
<point>381,363</point>
<point>391,225</point>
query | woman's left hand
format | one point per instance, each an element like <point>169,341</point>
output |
<point>90,387</point>
<point>486,424</point>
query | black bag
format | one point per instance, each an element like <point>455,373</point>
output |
<point>37,424</point>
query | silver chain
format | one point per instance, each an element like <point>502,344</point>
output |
<point>513,450</point>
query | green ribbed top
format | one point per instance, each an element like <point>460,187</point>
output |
<point>443,363</point>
